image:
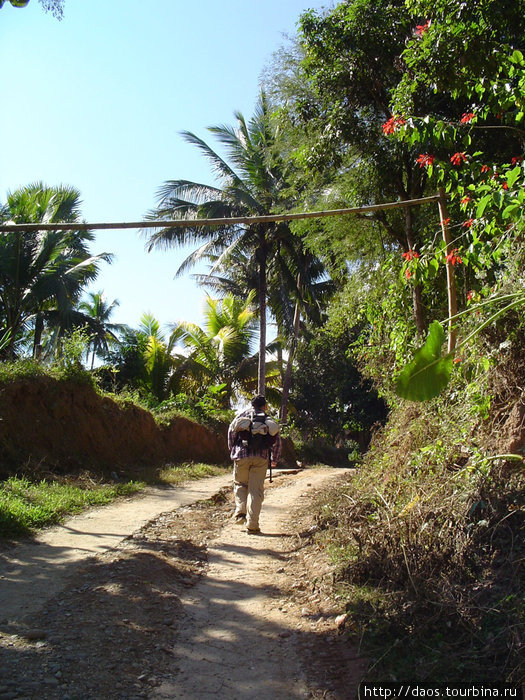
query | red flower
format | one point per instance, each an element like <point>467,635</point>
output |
<point>446,222</point>
<point>408,274</point>
<point>467,117</point>
<point>425,159</point>
<point>457,360</point>
<point>516,160</point>
<point>466,200</point>
<point>392,124</point>
<point>470,295</point>
<point>453,257</point>
<point>485,168</point>
<point>411,255</point>
<point>422,28</point>
<point>468,223</point>
<point>505,186</point>
<point>458,158</point>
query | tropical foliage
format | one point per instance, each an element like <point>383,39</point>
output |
<point>409,315</point>
<point>42,273</point>
<point>256,182</point>
<point>102,332</point>
<point>222,351</point>
<point>478,158</point>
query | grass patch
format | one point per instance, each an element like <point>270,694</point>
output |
<point>187,471</point>
<point>27,506</point>
<point>21,369</point>
<point>29,369</point>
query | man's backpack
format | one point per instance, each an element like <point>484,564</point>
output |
<point>256,431</point>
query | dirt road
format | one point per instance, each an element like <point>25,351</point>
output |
<point>190,606</point>
<point>34,571</point>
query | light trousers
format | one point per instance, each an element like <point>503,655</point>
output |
<point>248,488</point>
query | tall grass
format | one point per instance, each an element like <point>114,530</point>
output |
<point>427,538</point>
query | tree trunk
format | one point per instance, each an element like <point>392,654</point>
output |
<point>287,382</point>
<point>262,255</point>
<point>37,341</point>
<point>280,361</point>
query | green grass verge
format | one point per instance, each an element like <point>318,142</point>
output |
<point>27,506</point>
<point>178,473</point>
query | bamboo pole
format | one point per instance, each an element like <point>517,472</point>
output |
<point>187,223</point>
<point>451,279</point>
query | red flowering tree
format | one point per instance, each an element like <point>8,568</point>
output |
<point>352,63</point>
<point>470,52</point>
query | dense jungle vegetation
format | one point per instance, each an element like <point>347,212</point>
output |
<point>373,101</point>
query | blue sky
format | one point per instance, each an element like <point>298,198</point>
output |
<point>98,99</point>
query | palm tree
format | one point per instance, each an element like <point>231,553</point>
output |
<point>298,289</point>
<point>102,333</point>
<point>221,352</point>
<point>157,354</point>
<point>42,273</point>
<point>256,183</point>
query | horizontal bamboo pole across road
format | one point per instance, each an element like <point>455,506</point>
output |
<point>181,223</point>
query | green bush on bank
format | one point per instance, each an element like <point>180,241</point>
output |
<point>28,368</point>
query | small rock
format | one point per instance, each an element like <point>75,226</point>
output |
<point>280,570</point>
<point>285,634</point>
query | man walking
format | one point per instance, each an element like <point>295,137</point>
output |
<point>250,462</point>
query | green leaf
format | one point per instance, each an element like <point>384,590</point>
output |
<point>510,210</point>
<point>483,205</point>
<point>497,198</point>
<point>429,372</point>
<point>4,338</point>
<point>433,267</point>
<point>513,175</point>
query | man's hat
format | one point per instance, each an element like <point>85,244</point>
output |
<point>259,401</point>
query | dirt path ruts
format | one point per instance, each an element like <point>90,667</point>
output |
<point>36,570</point>
<point>238,640</point>
<point>188,606</point>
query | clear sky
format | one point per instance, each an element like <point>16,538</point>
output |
<point>98,99</point>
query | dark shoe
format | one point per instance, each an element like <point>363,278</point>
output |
<point>254,531</point>
<point>240,518</point>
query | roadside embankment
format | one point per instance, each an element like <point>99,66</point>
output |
<point>66,426</point>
